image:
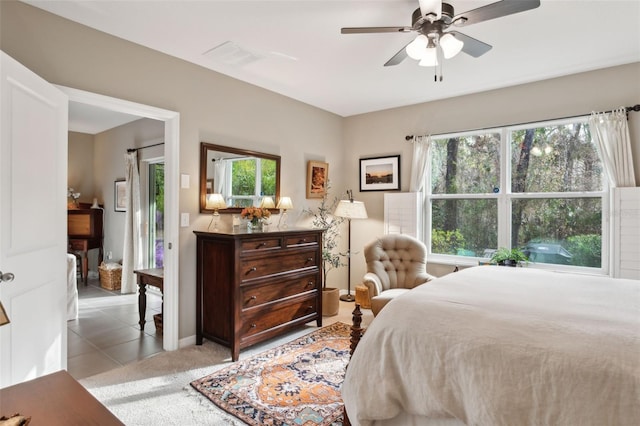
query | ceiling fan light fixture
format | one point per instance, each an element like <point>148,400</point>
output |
<point>430,58</point>
<point>451,46</point>
<point>416,49</point>
<point>431,8</point>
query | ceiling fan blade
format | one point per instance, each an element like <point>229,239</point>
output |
<point>433,7</point>
<point>471,45</point>
<point>365,30</point>
<point>494,10</point>
<point>398,57</point>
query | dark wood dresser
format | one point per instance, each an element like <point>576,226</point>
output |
<point>254,286</point>
<point>85,232</point>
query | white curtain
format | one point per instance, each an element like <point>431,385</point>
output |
<point>220,176</point>
<point>132,252</point>
<point>610,131</point>
<point>419,163</point>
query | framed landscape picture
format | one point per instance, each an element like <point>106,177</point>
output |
<point>120,196</point>
<point>380,173</point>
<point>317,177</point>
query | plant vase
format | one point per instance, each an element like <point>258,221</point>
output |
<point>330,302</point>
<point>255,225</point>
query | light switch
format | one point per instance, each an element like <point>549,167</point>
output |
<point>184,219</point>
<point>184,181</point>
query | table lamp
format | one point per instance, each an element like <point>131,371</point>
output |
<point>350,209</point>
<point>215,202</point>
<point>284,204</point>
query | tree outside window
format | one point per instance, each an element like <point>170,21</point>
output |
<point>538,188</point>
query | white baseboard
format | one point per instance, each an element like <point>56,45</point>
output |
<point>187,341</point>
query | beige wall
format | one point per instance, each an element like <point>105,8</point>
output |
<point>80,167</point>
<point>213,108</point>
<point>381,133</point>
<point>221,110</point>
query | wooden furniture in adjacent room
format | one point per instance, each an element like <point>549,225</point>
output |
<point>55,400</point>
<point>254,286</point>
<point>154,277</point>
<point>85,232</point>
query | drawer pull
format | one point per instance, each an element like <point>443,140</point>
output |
<point>310,308</point>
<point>304,240</point>
<point>253,298</point>
<point>310,284</point>
<point>262,244</point>
<point>253,325</point>
<point>309,259</point>
<point>251,270</point>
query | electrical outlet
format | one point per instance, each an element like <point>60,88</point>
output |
<point>184,219</point>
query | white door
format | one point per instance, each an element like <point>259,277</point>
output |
<point>33,227</point>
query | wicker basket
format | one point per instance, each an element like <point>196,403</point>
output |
<point>157,320</point>
<point>110,278</point>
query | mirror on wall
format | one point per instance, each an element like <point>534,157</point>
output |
<point>241,176</point>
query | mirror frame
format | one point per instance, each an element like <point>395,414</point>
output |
<point>205,147</point>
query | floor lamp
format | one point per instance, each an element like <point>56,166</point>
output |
<point>350,209</point>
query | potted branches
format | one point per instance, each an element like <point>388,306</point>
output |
<point>331,259</point>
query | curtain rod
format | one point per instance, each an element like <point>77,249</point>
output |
<point>635,108</point>
<point>143,147</point>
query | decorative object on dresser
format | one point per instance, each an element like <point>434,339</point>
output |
<point>323,218</point>
<point>215,202</point>
<point>284,204</point>
<point>256,217</point>
<point>85,232</point>
<point>350,209</point>
<point>254,286</point>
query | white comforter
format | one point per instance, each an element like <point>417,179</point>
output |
<point>502,346</point>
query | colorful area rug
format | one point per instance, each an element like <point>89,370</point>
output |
<point>297,383</point>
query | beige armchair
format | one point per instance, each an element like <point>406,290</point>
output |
<point>395,264</point>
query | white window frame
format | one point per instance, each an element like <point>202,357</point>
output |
<point>504,197</point>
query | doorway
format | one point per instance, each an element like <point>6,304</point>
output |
<point>170,230</point>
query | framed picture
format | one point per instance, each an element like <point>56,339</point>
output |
<point>120,196</point>
<point>317,176</point>
<point>209,186</point>
<point>380,174</point>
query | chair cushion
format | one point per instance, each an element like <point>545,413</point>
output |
<point>378,302</point>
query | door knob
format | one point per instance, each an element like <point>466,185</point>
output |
<point>6,277</point>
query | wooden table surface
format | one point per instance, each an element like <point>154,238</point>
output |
<point>55,400</point>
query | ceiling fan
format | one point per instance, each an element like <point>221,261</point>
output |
<point>432,20</point>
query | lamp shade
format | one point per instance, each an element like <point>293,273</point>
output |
<point>351,209</point>
<point>215,202</point>
<point>285,203</point>
<point>267,203</point>
<point>451,46</point>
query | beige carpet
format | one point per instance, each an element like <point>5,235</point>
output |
<point>156,391</point>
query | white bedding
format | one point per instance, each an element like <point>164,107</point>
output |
<point>502,346</point>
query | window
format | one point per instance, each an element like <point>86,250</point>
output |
<point>250,180</point>
<point>538,187</point>
<point>156,215</point>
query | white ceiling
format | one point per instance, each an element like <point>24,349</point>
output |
<point>300,53</point>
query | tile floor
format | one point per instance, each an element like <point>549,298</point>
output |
<point>106,334</point>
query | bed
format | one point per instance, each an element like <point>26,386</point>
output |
<point>501,346</point>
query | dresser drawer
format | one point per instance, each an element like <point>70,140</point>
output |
<point>261,244</point>
<point>80,245</point>
<point>278,263</point>
<point>302,240</point>
<point>255,295</point>
<point>260,321</point>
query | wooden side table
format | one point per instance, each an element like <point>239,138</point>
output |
<point>362,297</point>
<point>154,277</point>
<point>55,400</point>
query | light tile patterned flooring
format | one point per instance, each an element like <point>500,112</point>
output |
<point>106,334</point>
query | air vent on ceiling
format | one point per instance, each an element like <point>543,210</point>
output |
<point>231,53</point>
